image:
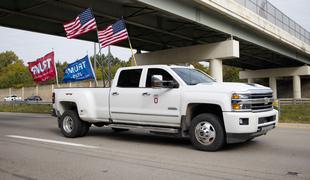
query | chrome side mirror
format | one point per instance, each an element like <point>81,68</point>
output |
<point>157,81</point>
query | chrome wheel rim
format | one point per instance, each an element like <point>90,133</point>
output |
<point>205,133</point>
<point>68,124</point>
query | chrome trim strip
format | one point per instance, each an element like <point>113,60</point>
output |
<point>143,114</point>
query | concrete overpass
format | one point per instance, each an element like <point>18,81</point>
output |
<point>266,38</point>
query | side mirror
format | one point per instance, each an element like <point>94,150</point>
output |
<point>157,81</point>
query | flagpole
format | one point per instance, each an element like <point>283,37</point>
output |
<point>93,71</point>
<point>133,55</point>
<point>109,65</point>
<point>55,69</point>
<point>95,63</point>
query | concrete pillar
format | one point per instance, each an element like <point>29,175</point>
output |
<point>10,91</point>
<point>273,86</point>
<point>37,90</point>
<point>216,69</point>
<point>250,80</point>
<point>296,87</point>
<point>23,93</point>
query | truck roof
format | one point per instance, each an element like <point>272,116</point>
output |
<point>158,66</point>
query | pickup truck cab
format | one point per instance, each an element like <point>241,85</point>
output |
<point>177,100</point>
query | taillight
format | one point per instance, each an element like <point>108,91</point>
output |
<point>53,98</point>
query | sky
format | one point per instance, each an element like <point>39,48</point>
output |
<point>29,45</point>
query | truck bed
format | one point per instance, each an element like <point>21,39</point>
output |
<point>92,103</point>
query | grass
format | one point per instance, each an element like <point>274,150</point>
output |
<point>295,113</point>
<point>26,108</point>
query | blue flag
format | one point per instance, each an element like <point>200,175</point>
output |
<point>79,70</point>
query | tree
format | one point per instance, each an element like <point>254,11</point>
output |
<point>231,74</point>
<point>15,75</point>
<point>102,66</point>
<point>7,58</point>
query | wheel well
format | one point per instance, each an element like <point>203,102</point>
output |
<point>67,105</point>
<point>195,109</point>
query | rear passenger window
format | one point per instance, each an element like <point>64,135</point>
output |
<point>129,78</point>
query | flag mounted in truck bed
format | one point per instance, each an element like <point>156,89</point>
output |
<point>79,70</point>
<point>113,34</point>
<point>82,24</point>
<point>43,69</point>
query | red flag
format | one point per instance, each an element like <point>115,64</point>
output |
<point>43,68</point>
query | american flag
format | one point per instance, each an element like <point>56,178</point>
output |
<point>113,34</point>
<point>83,23</point>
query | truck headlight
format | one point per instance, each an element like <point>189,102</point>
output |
<point>235,106</point>
<point>237,100</point>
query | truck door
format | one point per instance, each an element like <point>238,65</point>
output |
<point>161,106</point>
<point>125,97</point>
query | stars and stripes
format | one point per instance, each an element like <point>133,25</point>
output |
<point>113,34</point>
<point>83,23</point>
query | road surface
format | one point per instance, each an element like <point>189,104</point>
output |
<point>31,147</point>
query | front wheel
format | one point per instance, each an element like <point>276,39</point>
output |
<point>207,133</point>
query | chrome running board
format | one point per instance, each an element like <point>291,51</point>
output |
<point>146,128</point>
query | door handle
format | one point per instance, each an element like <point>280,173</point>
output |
<point>146,94</point>
<point>115,94</point>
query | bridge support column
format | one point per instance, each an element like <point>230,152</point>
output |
<point>216,69</point>
<point>296,87</point>
<point>250,80</point>
<point>273,86</point>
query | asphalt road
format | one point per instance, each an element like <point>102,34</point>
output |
<point>31,147</point>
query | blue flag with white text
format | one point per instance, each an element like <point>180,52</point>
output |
<point>79,70</point>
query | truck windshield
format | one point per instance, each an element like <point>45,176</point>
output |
<point>192,76</point>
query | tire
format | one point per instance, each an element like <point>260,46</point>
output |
<point>85,129</point>
<point>119,129</point>
<point>207,133</point>
<point>71,125</point>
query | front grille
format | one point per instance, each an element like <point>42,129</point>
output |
<point>261,102</point>
<point>262,95</point>
<point>261,106</point>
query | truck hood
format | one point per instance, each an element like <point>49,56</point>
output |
<point>232,87</point>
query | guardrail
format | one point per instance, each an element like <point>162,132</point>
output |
<point>268,11</point>
<point>25,102</point>
<point>289,101</point>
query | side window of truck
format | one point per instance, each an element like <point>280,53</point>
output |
<point>157,71</point>
<point>129,78</point>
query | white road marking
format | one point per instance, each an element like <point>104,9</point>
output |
<point>52,141</point>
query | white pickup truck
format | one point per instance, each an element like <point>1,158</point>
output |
<point>178,100</point>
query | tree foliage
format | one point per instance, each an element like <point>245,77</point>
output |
<point>14,73</point>
<point>102,65</point>
<point>231,74</point>
<point>7,58</point>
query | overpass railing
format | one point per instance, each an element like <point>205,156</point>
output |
<point>268,11</point>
